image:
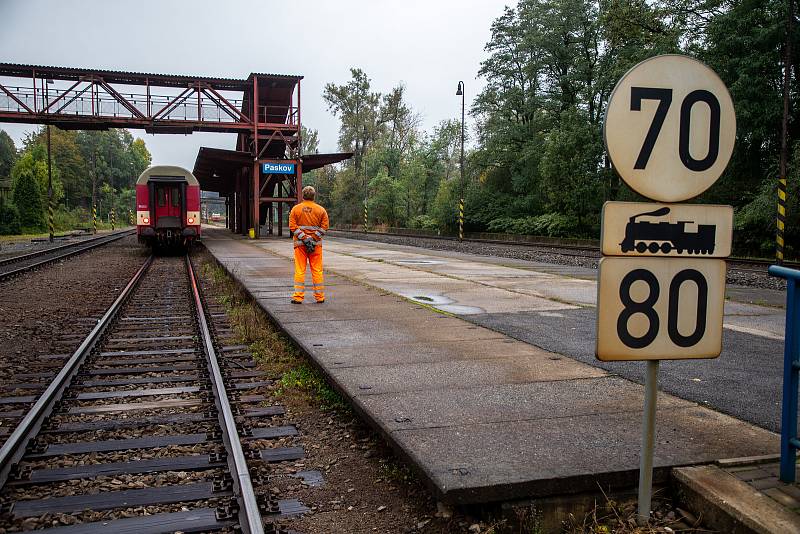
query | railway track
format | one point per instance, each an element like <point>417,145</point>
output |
<point>576,251</point>
<point>16,265</point>
<point>152,425</point>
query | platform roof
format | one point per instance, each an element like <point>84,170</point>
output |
<point>216,167</point>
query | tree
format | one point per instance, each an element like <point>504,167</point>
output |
<point>9,218</point>
<point>386,201</point>
<point>8,155</point>
<point>27,195</point>
<point>309,140</point>
<point>357,107</point>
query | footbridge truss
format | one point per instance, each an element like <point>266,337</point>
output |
<point>262,109</point>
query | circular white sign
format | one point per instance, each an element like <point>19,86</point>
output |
<point>670,128</point>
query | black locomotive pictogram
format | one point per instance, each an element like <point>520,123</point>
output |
<point>665,236</point>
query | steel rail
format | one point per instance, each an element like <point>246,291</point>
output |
<point>76,248</point>
<point>13,449</point>
<point>249,514</point>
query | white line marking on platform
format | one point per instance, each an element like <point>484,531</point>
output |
<point>753,331</point>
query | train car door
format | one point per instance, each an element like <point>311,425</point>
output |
<point>168,205</point>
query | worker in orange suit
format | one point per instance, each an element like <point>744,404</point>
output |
<point>308,222</point>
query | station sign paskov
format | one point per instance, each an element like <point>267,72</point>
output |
<point>670,127</point>
<point>677,230</point>
<point>660,309</point>
<point>278,168</point>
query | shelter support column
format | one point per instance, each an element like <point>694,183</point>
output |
<point>299,181</point>
<point>256,200</point>
<point>280,218</point>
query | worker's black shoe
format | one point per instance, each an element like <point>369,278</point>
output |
<point>296,301</point>
<point>320,301</point>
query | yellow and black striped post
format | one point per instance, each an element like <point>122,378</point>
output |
<point>50,217</point>
<point>365,216</point>
<point>461,219</point>
<point>130,217</point>
<point>781,220</point>
<point>113,219</point>
<point>94,218</point>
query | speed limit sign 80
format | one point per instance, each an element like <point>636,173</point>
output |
<point>670,128</point>
<point>660,309</point>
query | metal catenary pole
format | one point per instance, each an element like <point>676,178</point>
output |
<point>366,219</point>
<point>94,191</point>
<point>49,187</point>
<point>787,78</point>
<point>648,441</point>
<point>461,91</point>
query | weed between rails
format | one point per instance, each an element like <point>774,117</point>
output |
<point>271,349</point>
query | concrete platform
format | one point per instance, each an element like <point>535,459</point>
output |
<point>480,415</point>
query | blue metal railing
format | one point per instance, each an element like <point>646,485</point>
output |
<point>790,443</point>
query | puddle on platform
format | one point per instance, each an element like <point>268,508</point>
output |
<point>443,303</point>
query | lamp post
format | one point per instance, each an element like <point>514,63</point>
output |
<point>460,92</point>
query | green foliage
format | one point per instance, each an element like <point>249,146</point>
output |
<point>308,379</point>
<point>27,195</point>
<point>386,201</point>
<point>108,162</point>
<point>8,155</point>
<point>537,163</point>
<point>9,219</point>
<point>423,222</point>
<point>549,224</point>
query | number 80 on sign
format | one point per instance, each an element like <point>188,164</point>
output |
<point>651,309</point>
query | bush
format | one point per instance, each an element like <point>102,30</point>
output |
<point>549,224</point>
<point>424,222</point>
<point>9,219</point>
<point>76,218</point>
<point>28,200</point>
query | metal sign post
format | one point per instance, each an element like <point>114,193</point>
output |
<point>669,128</point>
<point>648,441</point>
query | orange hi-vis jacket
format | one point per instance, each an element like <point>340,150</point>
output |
<point>308,219</point>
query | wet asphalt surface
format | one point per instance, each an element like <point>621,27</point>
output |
<point>745,381</point>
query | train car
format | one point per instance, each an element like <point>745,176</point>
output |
<point>167,207</point>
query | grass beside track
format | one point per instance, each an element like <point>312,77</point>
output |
<point>272,350</point>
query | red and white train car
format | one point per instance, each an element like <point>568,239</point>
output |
<point>167,207</point>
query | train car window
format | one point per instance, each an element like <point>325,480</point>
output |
<point>175,196</point>
<point>162,200</point>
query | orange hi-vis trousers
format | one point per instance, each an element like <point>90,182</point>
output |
<point>301,256</point>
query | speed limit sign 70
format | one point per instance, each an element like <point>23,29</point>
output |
<point>670,127</point>
<point>652,308</point>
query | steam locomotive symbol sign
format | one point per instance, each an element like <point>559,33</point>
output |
<point>664,236</point>
<point>640,229</point>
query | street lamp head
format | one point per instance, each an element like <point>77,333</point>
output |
<point>460,90</point>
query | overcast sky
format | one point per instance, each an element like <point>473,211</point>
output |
<point>429,45</point>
